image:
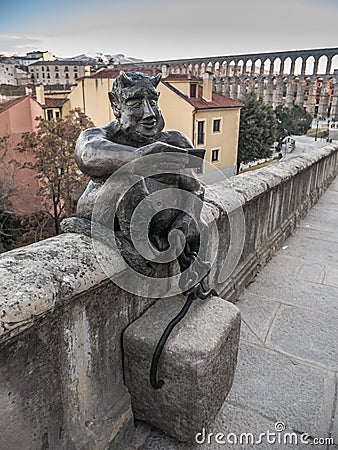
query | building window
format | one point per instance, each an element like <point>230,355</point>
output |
<point>215,155</point>
<point>49,114</point>
<point>200,132</point>
<point>47,68</point>
<point>67,75</point>
<point>193,90</point>
<point>43,75</point>
<point>216,125</point>
<point>66,69</point>
<point>56,69</point>
<point>48,75</point>
<point>56,75</point>
<point>42,68</point>
<point>57,114</point>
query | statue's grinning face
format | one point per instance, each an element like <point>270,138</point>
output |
<point>140,114</point>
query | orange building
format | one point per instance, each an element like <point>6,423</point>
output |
<point>210,120</point>
<point>16,117</point>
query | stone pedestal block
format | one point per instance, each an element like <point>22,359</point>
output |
<point>197,364</point>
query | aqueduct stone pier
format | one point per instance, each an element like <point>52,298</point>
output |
<point>301,77</point>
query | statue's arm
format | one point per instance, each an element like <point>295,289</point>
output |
<point>178,139</point>
<point>97,156</point>
<point>189,181</point>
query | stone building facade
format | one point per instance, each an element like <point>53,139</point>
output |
<point>58,72</point>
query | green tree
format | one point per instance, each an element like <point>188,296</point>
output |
<point>52,145</point>
<point>257,129</point>
<point>292,121</point>
<point>9,168</point>
<point>9,226</point>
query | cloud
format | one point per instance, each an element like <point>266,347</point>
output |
<point>14,43</point>
<point>181,28</point>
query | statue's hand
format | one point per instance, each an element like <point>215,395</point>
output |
<point>160,147</point>
<point>178,158</point>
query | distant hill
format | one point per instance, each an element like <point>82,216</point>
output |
<point>119,58</point>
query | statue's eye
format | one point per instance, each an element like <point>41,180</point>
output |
<point>134,103</point>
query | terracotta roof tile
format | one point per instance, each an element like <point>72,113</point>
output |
<point>6,105</point>
<point>218,100</point>
<point>181,77</point>
<point>57,62</point>
<point>104,73</point>
<point>58,87</point>
<point>114,73</point>
<point>13,90</point>
<point>53,102</point>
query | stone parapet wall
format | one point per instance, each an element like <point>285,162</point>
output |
<point>273,200</point>
<point>61,377</point>
<point>61,318</point>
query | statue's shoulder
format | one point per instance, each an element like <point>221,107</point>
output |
<point>174,137</point>
<point>106,131</point>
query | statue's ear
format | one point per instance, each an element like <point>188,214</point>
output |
<point>156,80</point>
<point>114,104</point>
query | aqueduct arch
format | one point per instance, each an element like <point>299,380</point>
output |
<point>304,77</point>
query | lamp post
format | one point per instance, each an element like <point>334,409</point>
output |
<point>317,128</point>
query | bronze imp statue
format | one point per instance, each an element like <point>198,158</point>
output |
<point>137,132</point>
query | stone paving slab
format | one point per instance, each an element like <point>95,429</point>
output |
<point>306,231</point>
<point>333,186</point>
<point>313,296</point>
<point>158,440</point>
<point>283,389</point>
<point>323,206</point>
<point>306,334</point>
<point>262,433</point>
<point>298,268</point>
<point>334,429</point>
<point>268,388</point>
<point>240,421</point>
<point>312,249</point>
<point>330,197</point>
<point>248,335</point>
<point>331,277</point>
<point>237,428</point>
<point>257,314</point>
<point>289,341</point>
<point>323,217</point>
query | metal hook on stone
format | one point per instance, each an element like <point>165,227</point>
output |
<point>194,292</point>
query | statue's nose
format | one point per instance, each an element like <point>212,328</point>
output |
<point>148,111</point>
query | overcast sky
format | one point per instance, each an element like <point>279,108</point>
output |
<point>153,30</point>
